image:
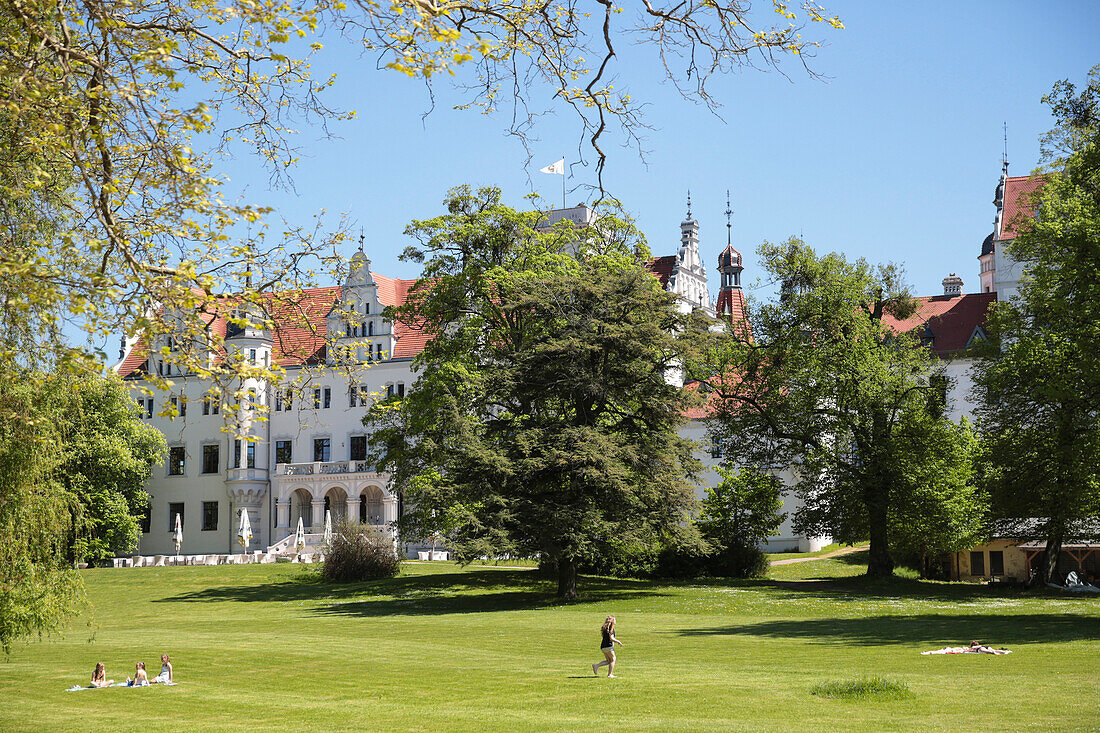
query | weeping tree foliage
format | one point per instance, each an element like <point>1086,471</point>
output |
<point>1038,385</point>
<point>823,384</point>
<point>542,421</point>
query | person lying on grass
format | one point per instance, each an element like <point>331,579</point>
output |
<point>976,647</point>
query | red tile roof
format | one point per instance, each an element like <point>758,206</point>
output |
<point>951,322</point>
<point>733,300</point>
<point>1018,203</point>
<point>301,327</point>
<point>662,267</point>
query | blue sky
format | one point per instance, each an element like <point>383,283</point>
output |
<point>893,157</point>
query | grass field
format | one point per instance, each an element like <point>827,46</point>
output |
<point>441,648</point>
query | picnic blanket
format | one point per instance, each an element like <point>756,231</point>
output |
<point>968,650</point>
<point>77,688</point>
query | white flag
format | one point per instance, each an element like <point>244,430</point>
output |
<point>558,168</point>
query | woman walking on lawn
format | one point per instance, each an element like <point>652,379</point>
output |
<point>607,646</point>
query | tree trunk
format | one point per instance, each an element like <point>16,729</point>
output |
<point>1050,563</point>
<point>879,562</point>
<point>567,579</point>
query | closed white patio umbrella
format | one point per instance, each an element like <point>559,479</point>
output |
<point>244,533</point>
<point>328,527</point>
<point>300,537</point>
<point>177,535</point>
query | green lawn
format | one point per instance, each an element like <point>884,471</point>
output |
<point>445,649</point>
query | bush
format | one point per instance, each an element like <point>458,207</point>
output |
<point>737,561</point>
<point>359,552</point>
<point>684,563</point>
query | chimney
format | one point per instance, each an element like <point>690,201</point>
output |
<point>952,286</point>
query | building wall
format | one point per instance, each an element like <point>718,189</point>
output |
<point>785,538</point>
<point>1015,561</point>
<point>301,425</point>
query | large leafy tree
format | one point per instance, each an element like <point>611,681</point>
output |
<point>106,457</point>
<point>1038,387</point>
<point>824,385</point>
<point>543,420</point>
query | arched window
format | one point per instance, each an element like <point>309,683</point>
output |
<point>370,328</point>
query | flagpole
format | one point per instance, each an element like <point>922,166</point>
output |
<point>563,182</point>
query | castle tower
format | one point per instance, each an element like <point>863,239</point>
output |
<point>689,276</point>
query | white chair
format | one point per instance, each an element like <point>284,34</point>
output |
<point>158,561</point>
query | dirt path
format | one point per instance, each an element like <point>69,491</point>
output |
<point>834,553</point>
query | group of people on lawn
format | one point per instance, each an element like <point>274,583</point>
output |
<point>140,678</point>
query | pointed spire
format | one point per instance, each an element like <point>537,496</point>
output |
<point>729,224</point>
<point>1004,156</point>
<point>689,204</point>
<point>360,239</point>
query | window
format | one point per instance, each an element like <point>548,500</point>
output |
<point>236,454</point>
<point>175,408</point>
<point>284,451</point>
<point>146,519</point>
<point>321,449</point>
<point>251,356</point>
<point>996,562</point>
<point>370,328</point>
<point>366,308</point>
<point>364,395</point>
<point>353,393</point>
<point>977,563</point>
<point>149,408</point>
<point>400,389</point>
<point>328,398</point>
<point>210,458</point>
<point>209,515</point>
<point>250,455</point>
<point>389,391</point>
<point>278,400</point>
<point>715,448</point>
<point>206,405</point>
<point>358,448</point>
<point>176,457</point>
<point>175,509</point>
<point>183,407</point>
<point>316,398</point>
<point>378,352</point>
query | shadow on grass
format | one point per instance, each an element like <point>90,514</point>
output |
<point>936,630</point>
<point>469,591</point>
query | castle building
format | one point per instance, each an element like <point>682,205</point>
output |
<point>308,456</point>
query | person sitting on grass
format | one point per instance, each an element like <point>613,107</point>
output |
<point>99,677</point>
<point>165,671</point>
<point>607,646</point>
<point>141,679</point>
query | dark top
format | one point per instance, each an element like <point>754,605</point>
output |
<point>606,643</point>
